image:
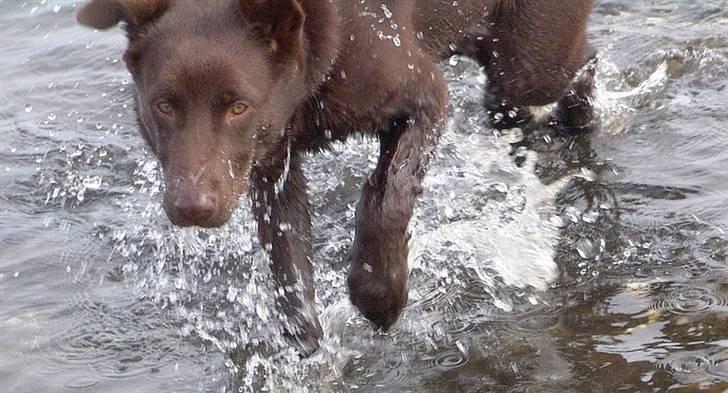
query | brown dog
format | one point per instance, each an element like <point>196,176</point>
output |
<point>232,92</point>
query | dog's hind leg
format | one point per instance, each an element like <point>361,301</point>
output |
<point>379,272</point>
<point>480,45</point>
<point>531,52</point>
<point>575,111</point>
<point>282,210</point>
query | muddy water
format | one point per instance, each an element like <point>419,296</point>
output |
<point>540,262</point>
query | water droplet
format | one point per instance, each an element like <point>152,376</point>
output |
<point>522,151</point>
<point>28,108</point>
<point>93,182</point>
<point>556,221</point>
<point>585,248</point>
<point>590,217</point>
<point>572,214</point>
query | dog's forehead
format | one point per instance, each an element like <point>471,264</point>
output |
<point>202,44</point>
<point>197,65</point>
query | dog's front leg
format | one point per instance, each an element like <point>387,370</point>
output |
<point>282,210</point>
<point>378,274</point>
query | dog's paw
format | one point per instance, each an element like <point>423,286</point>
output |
<point>503,115</point>
<point>308,341</point>
<point>300,324</point>
<point>380,296</point>
<point>574,112</point>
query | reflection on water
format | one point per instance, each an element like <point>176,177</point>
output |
<point>540,261</point>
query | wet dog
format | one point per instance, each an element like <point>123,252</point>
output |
<point>232,93</point>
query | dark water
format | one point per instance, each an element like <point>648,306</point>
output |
<point>595,263</point>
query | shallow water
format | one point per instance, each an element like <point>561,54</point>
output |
<point>539,262</point>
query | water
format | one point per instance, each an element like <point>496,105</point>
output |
<point>540,262</point>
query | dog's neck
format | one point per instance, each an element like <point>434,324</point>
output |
<point>322,28</point>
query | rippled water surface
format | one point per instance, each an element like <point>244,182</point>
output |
<point>595,263</point>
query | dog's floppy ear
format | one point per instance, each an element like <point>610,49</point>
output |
<point>279,22</point>
<point>104,14</point>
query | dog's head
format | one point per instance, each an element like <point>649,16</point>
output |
<point>217,83</point>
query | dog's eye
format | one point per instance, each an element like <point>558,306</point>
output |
<point>164,107</point>
<point>238,108</point>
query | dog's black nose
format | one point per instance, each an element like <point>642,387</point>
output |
<point>196,207</point>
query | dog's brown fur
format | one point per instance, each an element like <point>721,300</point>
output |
<point>231,93</point>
